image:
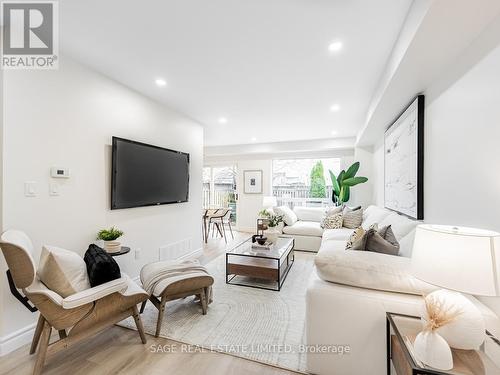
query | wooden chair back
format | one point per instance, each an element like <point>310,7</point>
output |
<point>17,249</point>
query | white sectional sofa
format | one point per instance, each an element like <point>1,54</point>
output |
<point>307,231</point>
<point>349,295</point>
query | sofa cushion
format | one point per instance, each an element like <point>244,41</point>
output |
<point>289,216</point>
<point>341,234</point>
<point>406,244</point>
<point>309,213</point>
<point>62,271</point>
<point>373,215</point>
<point>368,270</point>
<point>304,228</point>
<point>400,224</point>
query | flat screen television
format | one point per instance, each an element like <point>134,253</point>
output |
<point>147,175</point>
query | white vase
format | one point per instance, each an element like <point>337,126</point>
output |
<point>467,330</point>
<point>433,350</point>
<point>272,234</point>
<point>112,246</point>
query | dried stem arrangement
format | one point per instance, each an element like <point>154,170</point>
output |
<point>439,314</point>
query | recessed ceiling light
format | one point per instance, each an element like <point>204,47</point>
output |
<point>253,139</point>
<point>335,46</point>
<point>333,132</point>
<point>222,120</point>
<point>160,82</point>
<point>335,108</point>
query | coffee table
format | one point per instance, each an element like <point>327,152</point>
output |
<point>246,266</point>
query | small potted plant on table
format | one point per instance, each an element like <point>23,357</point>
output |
<point>109,236</point>
<point>272,232</point>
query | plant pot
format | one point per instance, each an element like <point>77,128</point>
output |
<point>433,350</point>
<point>272,234</point>
<point>112,246</point>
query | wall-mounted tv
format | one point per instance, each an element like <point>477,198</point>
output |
<point>147,175</point>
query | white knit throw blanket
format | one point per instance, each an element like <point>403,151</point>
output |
<point>154,273</point>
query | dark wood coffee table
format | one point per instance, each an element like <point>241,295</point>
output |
<point>246,266</point>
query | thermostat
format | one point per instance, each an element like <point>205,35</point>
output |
<point>57,172</point>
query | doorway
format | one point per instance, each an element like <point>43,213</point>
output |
<point>219,188</point>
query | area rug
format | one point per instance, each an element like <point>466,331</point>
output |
<point>260,325</point>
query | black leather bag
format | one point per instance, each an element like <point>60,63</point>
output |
<point>101,267</point>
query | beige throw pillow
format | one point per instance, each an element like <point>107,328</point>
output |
<point>384,241</point>
<point>379,241</point>
<point>62,271</point>
<point>332,222</point>
<point>356,240</point>
<point>353,217</point>
<point>289,217</point>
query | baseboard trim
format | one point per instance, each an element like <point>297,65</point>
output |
<point>16,339</point>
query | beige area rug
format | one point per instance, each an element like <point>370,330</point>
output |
<point>261,325</point>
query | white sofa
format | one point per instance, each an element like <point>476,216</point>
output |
<point>354,315</point>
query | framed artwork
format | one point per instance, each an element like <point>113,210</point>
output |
<point>252,182</point>
<point>404,162</point>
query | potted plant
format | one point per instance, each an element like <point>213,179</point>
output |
<point>344,182</point>
<point>109,236</point>
<point>272,232</point>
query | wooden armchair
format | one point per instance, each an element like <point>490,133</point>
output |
<point>75,317</point>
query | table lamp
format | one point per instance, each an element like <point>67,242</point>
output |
<point>269,201</point>
<point>458,259</point>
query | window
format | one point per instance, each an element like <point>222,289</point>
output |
<point>304,182</point>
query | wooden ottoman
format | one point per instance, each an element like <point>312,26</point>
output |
<point>171,280</point>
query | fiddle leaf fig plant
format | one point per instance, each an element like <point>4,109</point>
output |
<point>342,184</point>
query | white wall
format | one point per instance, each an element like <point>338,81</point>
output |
<point>249,205</point>
<point>462,152</point>
<point>67,118</point>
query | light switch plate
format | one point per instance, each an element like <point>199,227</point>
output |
<point>54,189</point>
<point>30,189</point>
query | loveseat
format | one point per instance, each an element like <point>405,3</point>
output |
<point>351,291</point>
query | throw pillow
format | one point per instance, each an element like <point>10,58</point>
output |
<point>355,241</point>
<point>352,218</point>
<point>62,271</point>
<point>334,210</point>
<point>101,266</point>
<point>384,241</point>
<point>289,216</point>
<point>332,222</point>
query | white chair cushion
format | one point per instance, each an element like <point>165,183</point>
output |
<point>304,228</point>
<point>289,216</point>
<point>366,269</point>
<point>309,213</point>
<point>341,234</point>
<point>374,215</point>
<point>95,293</point>
<point>400,225</point>
<point>63,271</point>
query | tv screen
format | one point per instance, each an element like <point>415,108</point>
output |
<point>146,175</point>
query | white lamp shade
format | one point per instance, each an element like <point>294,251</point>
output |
<point>269,202</point>
<point>457,258</point>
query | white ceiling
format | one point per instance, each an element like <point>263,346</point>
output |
<point>262,64</point>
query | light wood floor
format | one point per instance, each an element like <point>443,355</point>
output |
<point>119,350</point>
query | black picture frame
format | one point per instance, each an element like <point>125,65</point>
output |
<point>418,106</point>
